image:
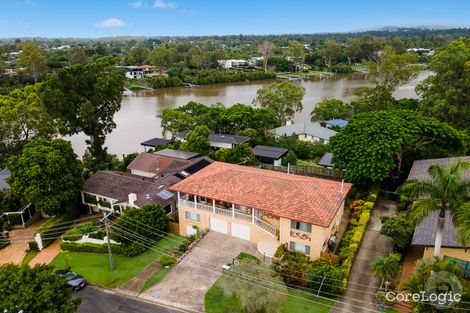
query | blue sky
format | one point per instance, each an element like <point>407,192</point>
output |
<point>96,18</point>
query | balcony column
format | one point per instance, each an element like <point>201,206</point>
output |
<point>253,215</point>
<point>179,198</point>
<point>213,206</point>
<point>233,210</point>
<point>195,201</point>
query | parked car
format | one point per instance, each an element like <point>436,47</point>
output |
<point>73,280</point>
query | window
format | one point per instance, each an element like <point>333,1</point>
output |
<point>295,246</point>
<point>193,216</point>
<point>301,226</point>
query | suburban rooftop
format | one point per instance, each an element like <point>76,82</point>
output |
<point>306,199</point>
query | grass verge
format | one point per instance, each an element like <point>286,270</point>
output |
<point>95,266</point>
<point>28,257</point>
<point>155,278</point>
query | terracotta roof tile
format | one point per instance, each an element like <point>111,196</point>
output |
<point>307,199</point>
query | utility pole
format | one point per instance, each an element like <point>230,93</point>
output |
<point>106,225</point>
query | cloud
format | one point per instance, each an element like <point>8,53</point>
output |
<point>190,12</point>
<point>158,4</point>
<point>111,22</point>
<point>161,4</point>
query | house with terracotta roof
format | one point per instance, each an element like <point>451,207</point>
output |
<point>151,165</point>
<point>425,233</point>
<point>265,207</point>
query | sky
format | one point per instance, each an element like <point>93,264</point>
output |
<point>100,18</point>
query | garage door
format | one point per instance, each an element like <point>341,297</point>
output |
<point>190,230</point>
<point>241,231</point>
<point>219,225</point>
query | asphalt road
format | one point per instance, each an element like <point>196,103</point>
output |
<point>96,301</point>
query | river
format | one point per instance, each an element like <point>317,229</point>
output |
<point>139,116</point>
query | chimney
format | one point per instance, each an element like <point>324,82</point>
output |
<point>132,198</point>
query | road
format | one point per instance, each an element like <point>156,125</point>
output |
<point>97,301</point>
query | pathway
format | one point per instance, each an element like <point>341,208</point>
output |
<point>15,252</point>
<point>362,285</point>
<point>48,254</point>
<point>135,284</point>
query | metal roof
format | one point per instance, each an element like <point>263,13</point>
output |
<point>155,142</point>
<point>269,152</point>
<point>186,155</point>
<point>326,160</point>
<point>224,138</point>
<point>337,122</point>
<point>312,129</point>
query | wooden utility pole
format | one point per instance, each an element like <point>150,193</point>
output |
<point>108,237</point>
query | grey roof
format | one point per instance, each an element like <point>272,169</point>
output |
<point>224,138</point>
<point>155,142</point>
<point>326,160</point>
<point>312,129</point>
<point>4,174</point>
<point>425,232</point>
<point>269,152</point>
<point>419,170</point>
<point>177,154</point>
<point>118,185</point>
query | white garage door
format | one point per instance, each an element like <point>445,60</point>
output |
<point>241,231</point>
<point>219,225</point>
<point>190,230</point>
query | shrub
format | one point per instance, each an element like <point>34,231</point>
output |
<point>99,234</point>
<point>381,297</point>
<point>326,278</point>
<point>280,251</point>
<point>33,246</point>
<point>89,247</point>
<point>183,247</point>
<point>78,231</point>
<point>372,197</point>
<point>132,249</point>
<point>368,206</point>
<point>364,219</point>
<point>166,260</point>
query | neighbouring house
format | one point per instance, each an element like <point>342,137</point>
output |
<point>326,160</point>
<point>133,71</point>
<point>218,141</point>
<point>425,233</point>
<point>336,123</point>
<point>269,155</point>
<point>306,131</point>
<point>229,64</point>
<point>268,208</point>
<point>186,155</point>
<point>112,190</point>
<point>155,142</point>
<point>4,174</point>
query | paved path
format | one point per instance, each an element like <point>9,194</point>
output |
<point>135,284</point>
<point>15,252</point>
<point>48,254</point>
<point>361,298</point>
<point>96,300</point>
<point>187,283</point>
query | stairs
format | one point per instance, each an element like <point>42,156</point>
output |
<point>267,247</point>
<point>270,229</point>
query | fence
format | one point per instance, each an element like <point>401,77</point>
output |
<point>308,171</point>
<point>174,227</point>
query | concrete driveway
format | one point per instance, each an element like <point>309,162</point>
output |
<point>19,238</point>
<point>187,283</point>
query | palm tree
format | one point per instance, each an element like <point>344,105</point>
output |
<point>447,191</point>
<point>385,267</point>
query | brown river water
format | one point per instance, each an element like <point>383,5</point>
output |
<point>139,116</point>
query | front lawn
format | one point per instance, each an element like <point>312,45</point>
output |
<point>155,278</point>
<point>215,301</point>
<point>28,257</point>
<point>95,266</point>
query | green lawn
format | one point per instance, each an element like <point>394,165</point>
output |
<point>215,301</point>
<point>95,266</point>
<point>28,257</point>
<point>156,278</point>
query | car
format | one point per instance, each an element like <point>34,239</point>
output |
<point>73,280</point>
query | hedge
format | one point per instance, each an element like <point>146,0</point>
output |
<point>127,250</point>
<point>3,244</point>
<point>78,231</point>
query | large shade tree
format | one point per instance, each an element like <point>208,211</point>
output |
<point>283,99</point>
<point>84,98</point>
<point>375,145</point>
<point>37,289</point>
<point>445,192</point>
<point>47,174</point>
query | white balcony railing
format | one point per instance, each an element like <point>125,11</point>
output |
<point>217,210</point>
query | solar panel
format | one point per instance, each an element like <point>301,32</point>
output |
<point>165,194</point>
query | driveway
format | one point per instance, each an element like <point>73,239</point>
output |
<point>96,300</point>
<point>19,238</point>
<point>188,282</point>
<point>362,285</point>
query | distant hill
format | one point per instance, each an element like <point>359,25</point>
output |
<point>391,28</point>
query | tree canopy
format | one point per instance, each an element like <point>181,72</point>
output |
<point>84,98</point>
<point>33,59</point>
<point>197,140</point>
<point>47,174</point>
<point>283,99</point>
<point>329,109</point>
<point>375,145</point>
<point>446,95</point>
<point>35,290</point>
